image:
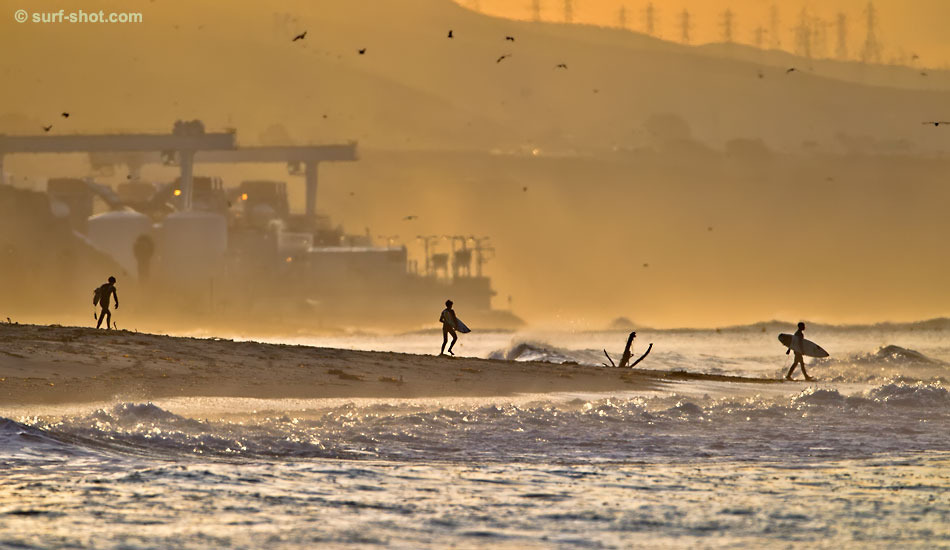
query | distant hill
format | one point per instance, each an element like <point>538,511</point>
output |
<point>416,88</point>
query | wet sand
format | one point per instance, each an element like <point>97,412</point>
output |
<point>55,364</point>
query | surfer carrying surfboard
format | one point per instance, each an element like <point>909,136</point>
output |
<point>798,339</point>
<point>449,322</point>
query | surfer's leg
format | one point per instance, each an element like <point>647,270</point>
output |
<point>445,339</point>
<point>455,338</point>
<point>804,372</point>
<point>790,371</point>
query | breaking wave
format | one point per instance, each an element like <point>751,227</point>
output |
<point>818,422</point>
<point>531,351</point>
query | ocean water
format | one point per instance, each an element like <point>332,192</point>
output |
<point>860,458</point>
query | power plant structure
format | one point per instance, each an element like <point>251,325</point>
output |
<point>198,247</point>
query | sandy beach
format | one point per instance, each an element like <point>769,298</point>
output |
<point>56,364</point>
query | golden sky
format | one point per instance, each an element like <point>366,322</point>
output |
<point>905,26</point>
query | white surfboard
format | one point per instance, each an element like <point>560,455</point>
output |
<point>809,348</point>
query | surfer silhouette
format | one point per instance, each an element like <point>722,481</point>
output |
<point>797,339</point>
<point>449,322</point>
<point>101,298</point>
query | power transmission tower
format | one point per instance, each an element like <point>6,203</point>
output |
<point>841,52</point>
<point>649,19</point>
<point>685,27</point>
<point>760,32</point>
<point>775,29</point>
<point>536,10</point>
<point>871,52</point>
<point>819,42</point>
<point>803,36</point>
<point>622,17</point>
<point>568,11</point>
<point>728,19</point>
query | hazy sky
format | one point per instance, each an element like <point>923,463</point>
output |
<point>908,26</point>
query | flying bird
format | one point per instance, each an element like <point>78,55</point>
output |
<point>761,74</point>
<point>300,36</point>
<point>646,265</point>
<point>709,228</point>
<point>363,51</point>
<point>450,34</point>
<point>923,73</point>
<point>47,128</point>
<point>791,70</point>
<point>935,123</point>
<point>65,115</point>
<point>561,66</point>
<point>510,38</point>
<point>410,218</point>
<point>502,58</point>
<point>525,189</point>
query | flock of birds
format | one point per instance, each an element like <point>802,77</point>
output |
<point>451,35</point>
<point>49,127</point>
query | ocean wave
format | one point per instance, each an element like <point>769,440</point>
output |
<point>541,352</point>
<point>618,429</point>
<point>892,355</point>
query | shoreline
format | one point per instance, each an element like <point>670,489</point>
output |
<point>43,365</point>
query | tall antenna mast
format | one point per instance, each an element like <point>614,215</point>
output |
<point>622,17</point>
<point>871,53</point>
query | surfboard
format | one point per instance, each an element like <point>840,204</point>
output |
<point>809,348</point>
<point>461,327</point>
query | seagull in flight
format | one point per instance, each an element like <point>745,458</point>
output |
<point>791,70</point>
<point>450,34</point>
<point>363,51</point>
<point>300,36</point>
<point>65,115</point>
<point>935,123</point>
<point>47,128</point>
<point>561,66</point>
<point>510,38</point>
<point>410,218</point>
<point>502,58</point>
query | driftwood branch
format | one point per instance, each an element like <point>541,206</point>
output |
<point>626,350</point>
<point>609,359</point>
<point>625,359</point>
<point>642,357</point>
